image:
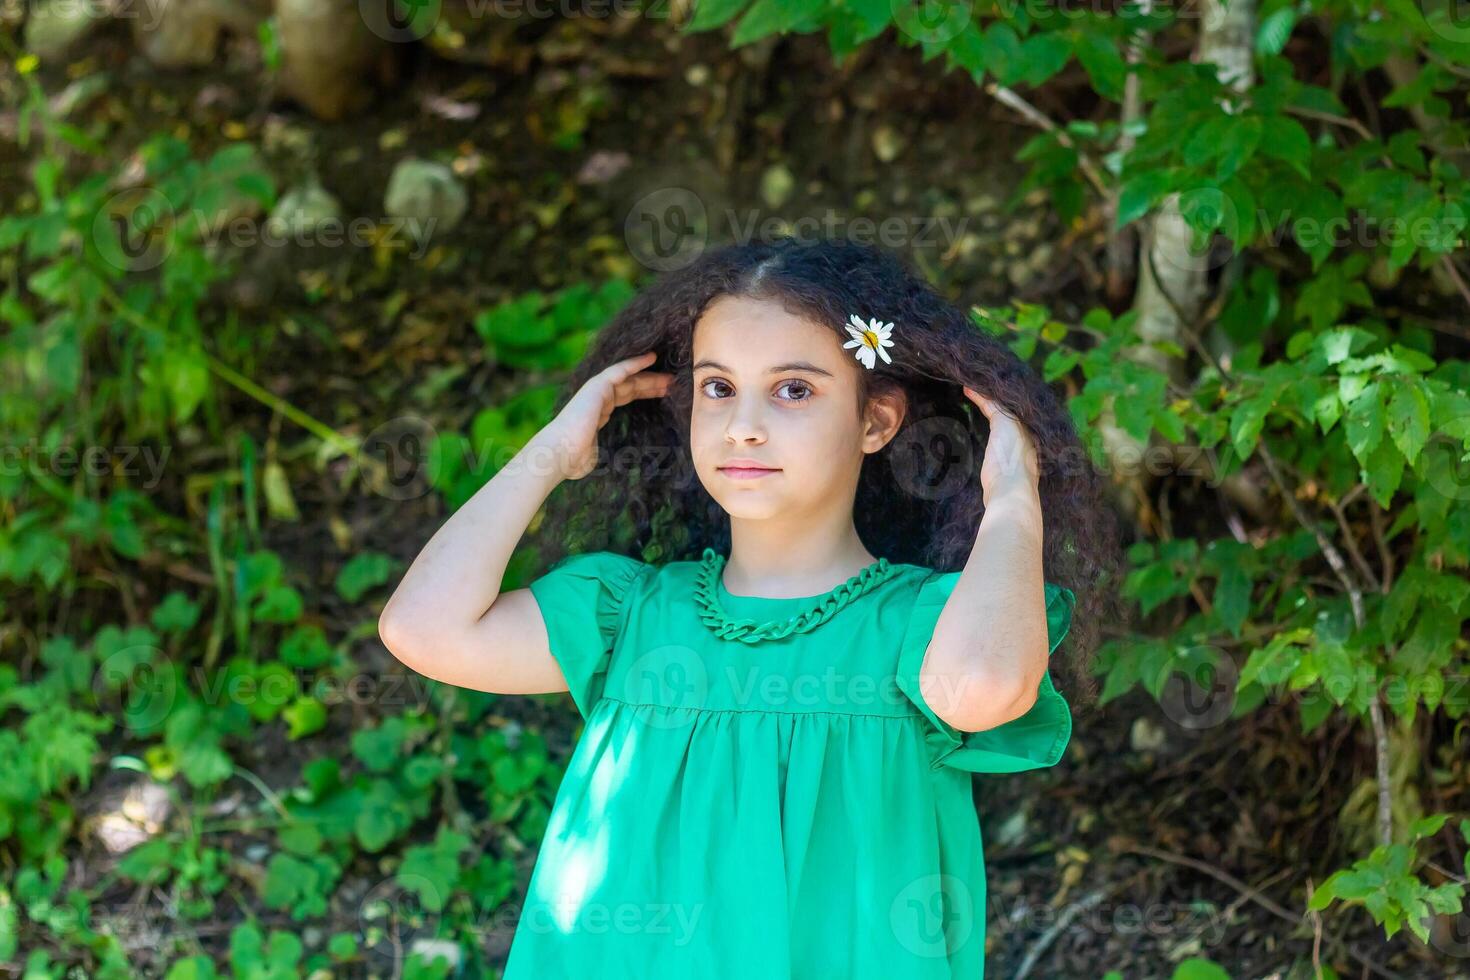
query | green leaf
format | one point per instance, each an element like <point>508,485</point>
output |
<point>1247,420</point>
<point>304,716</point>
<point>362,573</point>
<point>177,613</point>
<point>1284,139</point>
<point>766,17</point>
<point>1408,418</point>
<point>1197,968</point>
<point>379,748</point>
<point>375,828</point>
<point>712,13</point>
<point>1315,709</point>
<point>1365,420</point>
<point>1274,663</point>
<point>1204,209</point>
<point>1241,140</point>
<point>1208,140</point>
<point>186,376</point>
<point>967,50</point>
<point>432,871</point>
<point>872,17</point>
<point>1139,195</point>
<point>1003,53</point>
<point>306,647</point>
<point>1383,472</point>
<point>280,604</point>
<point>1104,65</point>
<point>1274,31</point>
<point>1043,54</point>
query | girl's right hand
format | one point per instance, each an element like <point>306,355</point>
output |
<point>573,433</point>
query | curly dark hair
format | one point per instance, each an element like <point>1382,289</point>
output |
<point>919,499</point>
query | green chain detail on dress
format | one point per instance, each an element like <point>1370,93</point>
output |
<point>706,591</point>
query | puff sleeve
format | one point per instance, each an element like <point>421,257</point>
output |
<point>582,603</point>
<point>1033,741</point>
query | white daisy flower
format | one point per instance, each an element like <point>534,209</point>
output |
<point>869,338</point>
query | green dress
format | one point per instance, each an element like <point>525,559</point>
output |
<point>759,790</point>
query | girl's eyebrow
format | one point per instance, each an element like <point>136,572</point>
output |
<point>806,366</point>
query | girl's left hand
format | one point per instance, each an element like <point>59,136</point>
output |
<point>1010,455</point>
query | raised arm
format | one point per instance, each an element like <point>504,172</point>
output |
<point>448,618</point>
<point>990,647</point>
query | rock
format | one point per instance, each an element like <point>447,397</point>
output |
<point>427,192</point>
<point>981,204</point>
<point>602,166</point>
<point>329,52</point>
<point>186,33</point>
<point>137,815</point>
<point>1041,257</point>
<point>55,25</point>
<point>1011,832</point>
<point>1145,736</point>
<point>282,135</point>
<point>431,948</point>
<point>777,183</point>
<point>301,210</point>
<point>887,143</point>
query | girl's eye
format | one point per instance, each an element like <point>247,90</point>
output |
<point>801,386</point>
<point>803,390</point>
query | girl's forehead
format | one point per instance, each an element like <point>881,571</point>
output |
<point>759,331</point>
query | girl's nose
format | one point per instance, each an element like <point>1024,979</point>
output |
<point>745,422</point>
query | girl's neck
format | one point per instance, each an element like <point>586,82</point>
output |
<point>787,564</point>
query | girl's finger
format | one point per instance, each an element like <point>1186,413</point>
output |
<point>644,385</point>
<point>620,370</point>
<point>985,405</point>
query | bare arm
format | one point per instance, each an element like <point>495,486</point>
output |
<point>448,619</point>
<point>990,647</point>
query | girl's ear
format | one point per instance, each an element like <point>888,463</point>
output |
<point>884,417</point>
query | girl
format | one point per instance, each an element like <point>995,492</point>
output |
<point>789,660</point>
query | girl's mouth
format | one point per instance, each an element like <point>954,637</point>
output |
<point>747,472</point>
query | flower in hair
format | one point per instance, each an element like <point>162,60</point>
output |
<point>869,338</point>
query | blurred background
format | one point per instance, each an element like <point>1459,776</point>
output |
<point>283,282</point>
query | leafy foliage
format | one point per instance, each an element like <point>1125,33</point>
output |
<point>1301,377</point>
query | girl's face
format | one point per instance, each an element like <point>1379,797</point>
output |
<point>774,390</point>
